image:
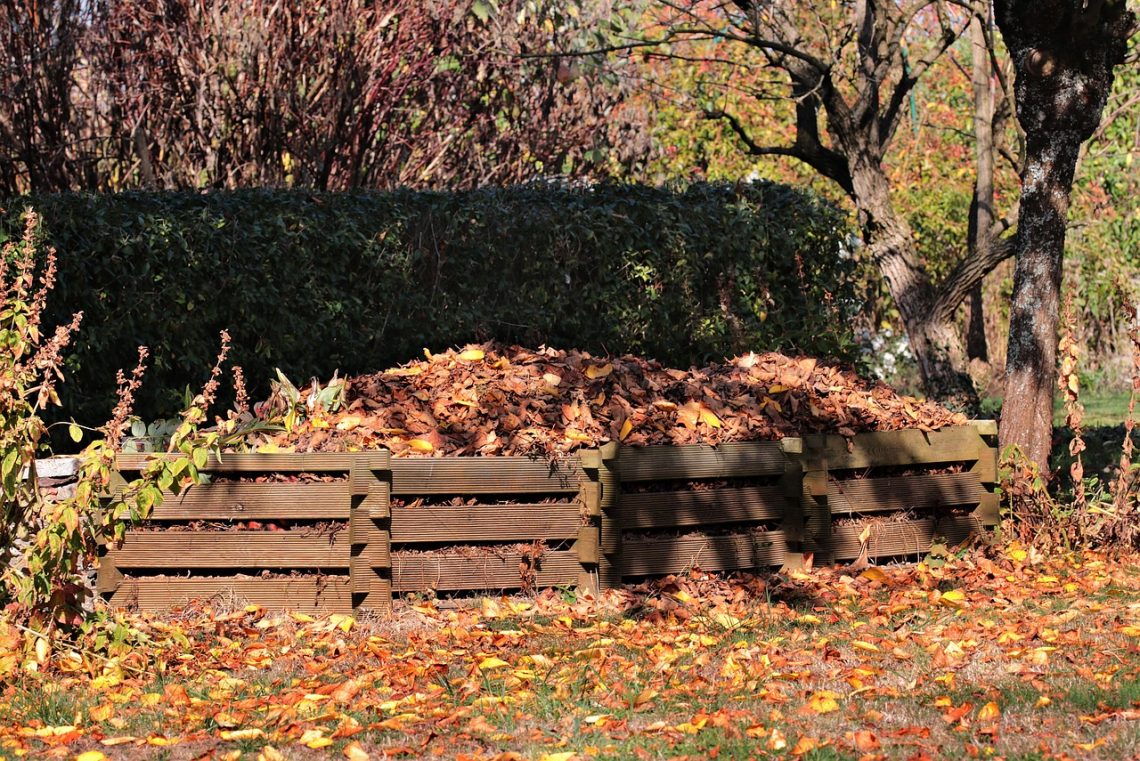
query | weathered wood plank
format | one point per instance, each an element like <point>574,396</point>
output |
<point>324,594</point>
<point>283,462</point>
<point>904,492</point>
<point>238,501</point>
<point>736,460</point>
<point>484,475</point>
<point>696,508</point>
<point>892,448</point>
<point>902,538</point>
<point>231,549</point>
<point>649,557</point>
<point>419,573</point>
<point>586,545</point>
<point>486,523</point>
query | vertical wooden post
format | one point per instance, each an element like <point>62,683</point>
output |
<point>815,511</point>
<point>370,534</point>
<point>792,484</point>
<point>988,511</point>
<point>603,489</point>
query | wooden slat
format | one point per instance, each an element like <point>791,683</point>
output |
<point>246,463</point>
<point>420,573</point>
<point>326,594</point>
<point>585,547</point>
<point>650,557</point>
<point>231,549</point>
<point>486,523</point>
<point>904,492</point>
<point>903,538</point>
<point>666,463</point>
<point>892,448</point>
<point>237,501</point>
<point>696,508</point>
<point>484,475</point>
<point>376,551</point>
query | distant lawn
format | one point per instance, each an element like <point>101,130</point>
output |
<point>1102,409</point>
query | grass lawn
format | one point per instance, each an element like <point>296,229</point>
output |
<point>1103,409</point>
<point>998,654</point>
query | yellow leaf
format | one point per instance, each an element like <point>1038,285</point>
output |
<point>342,622</point>
<point>348,422</point>
<point>860,645</point>
<point>776,740</point>
<point>121,740</point>
<point>875,574</point>
<point>240,734</point>
<point>492,663</point>
<point>865,534</point>
<point>302,618</point>
<point>471,355</point>
<point>808,618</point>
<point>101,712</point>
<point>576,435</point>
<point>726,620</point>
<point>989,712</point>
<point>269,753</point>
<point>594,372</point>
<point>354,752</point>
<point>709,418</point>
<point>421,445</point>
<point>777,389</point>
<point>91,755</point>
<point>955,598</point>
<point>626,428</point>
<point>551,378</point>
<point>823,702</point>
<point>315,739</point>
<point>1130,631</point>
<point>563,756</point>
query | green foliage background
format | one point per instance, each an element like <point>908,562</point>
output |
<point>313,283</point>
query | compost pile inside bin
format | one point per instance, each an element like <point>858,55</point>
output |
<point>499,400</point>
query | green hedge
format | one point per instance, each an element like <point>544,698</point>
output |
<point>361,281</point>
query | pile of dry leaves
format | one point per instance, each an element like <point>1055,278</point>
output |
<point>498,400</point>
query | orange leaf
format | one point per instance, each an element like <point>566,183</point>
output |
<point>989,712</point>
<point>594,372</point>
<point>866,742</point>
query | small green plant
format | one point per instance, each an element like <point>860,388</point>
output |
<point>47,545</point>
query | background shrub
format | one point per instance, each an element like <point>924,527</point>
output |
<point>360,281</point>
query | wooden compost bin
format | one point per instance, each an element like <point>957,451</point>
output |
<point>444,547</point>
<point>766,504</point>
<point>721,508</point>
<point>906,488</point>
<point>383,526</point>
<point>333,557</point>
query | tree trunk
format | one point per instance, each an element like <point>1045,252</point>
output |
<point>1064,53</point>
<point>934,339</point>
<point>982,204</point>
<point>1027,416</point>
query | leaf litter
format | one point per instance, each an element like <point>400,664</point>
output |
<point>997,653</point>
<point>493,399</point>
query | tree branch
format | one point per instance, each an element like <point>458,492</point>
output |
<point>825,161</point>
<point>970,271</point>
